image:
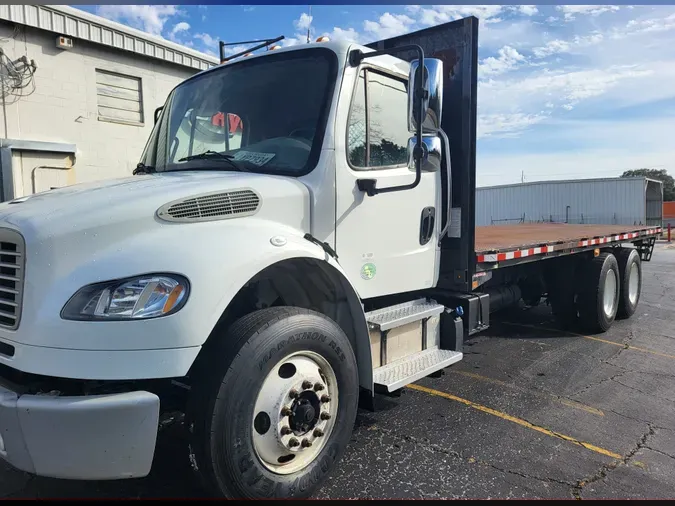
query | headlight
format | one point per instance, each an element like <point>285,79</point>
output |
<point>136,298</point>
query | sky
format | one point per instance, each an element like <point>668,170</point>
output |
<point>566,91</point>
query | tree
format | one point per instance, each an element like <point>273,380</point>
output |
<point>660,174</point>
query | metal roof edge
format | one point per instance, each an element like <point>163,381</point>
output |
<point>567,181</point>
<point>78,24</point>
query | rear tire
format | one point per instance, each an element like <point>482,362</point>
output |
<point>250,391</point>
<point>630,274</point>
<point>598,299</point>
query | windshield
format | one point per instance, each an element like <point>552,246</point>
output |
<point>264,115</point>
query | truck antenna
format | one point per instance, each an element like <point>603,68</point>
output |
<point>262,43</point>
<point>309,24</point>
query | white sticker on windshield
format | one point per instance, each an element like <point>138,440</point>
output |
<point>258,159</point>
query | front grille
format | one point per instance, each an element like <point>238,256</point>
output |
<point>12,261</point>
<point>212,206</point>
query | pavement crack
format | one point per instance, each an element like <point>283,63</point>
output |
<point>649,394</point>
<point>422,443</point>
<point>659,451</point>
<point>544,479</point>
<point>595,384</point>
<point>606,469</point>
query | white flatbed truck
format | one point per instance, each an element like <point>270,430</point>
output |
<point>264,283</point>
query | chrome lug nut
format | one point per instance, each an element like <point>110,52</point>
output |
<point>306,443</point>
<point>325,398</point>
<point>318,387</point>
<point>318,433</point>
<point>293,442</point>
<point>285,431</point>
<point>306,385</point>
<point>325,416</point>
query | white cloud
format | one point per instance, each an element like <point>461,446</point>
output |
<point>180,27</point>
<point>444,13</point>
<point>149,18</point>
<point>528,10</point>
<point>206,39</point>
<point>564,88</point>
<point>508,58</point>
<point>571,11</point>
<point>558,46</point>
<point>230,50</point>
<point>506,124</point>
<point>389,25</point>
<point>210,44</point>
<point>348,34</point>
<point>652,25</point>
<point>304,22</point>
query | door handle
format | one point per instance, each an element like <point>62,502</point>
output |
<point>427,223</point>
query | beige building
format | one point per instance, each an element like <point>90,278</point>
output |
<point>78,95</point>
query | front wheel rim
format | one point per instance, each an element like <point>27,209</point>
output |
<point>610,294</point>
<point>295,412</point>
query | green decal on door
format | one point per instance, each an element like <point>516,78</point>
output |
<point>368,271</point>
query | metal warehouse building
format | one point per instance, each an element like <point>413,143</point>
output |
<point>78,95</point>
<point>621,201</point>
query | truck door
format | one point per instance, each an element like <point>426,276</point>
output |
<point>386,243</point>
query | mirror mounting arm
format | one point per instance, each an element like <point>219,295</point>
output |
<point>420,93</point>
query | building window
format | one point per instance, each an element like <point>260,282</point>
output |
<point>119,98</point>
<point>377,134</point>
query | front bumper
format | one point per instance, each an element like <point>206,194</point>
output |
<point>96,437</point>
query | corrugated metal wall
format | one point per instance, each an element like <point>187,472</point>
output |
<point>603,201</point>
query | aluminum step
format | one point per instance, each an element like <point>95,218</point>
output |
<point>414,367</point>
<point>402,314</point>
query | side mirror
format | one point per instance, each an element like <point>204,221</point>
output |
<point>433,103</point>
<point>431,153</point>
<point>157,111</point>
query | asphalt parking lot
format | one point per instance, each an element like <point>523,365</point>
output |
<point>531,412</point>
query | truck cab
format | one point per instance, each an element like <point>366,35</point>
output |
<point>276,195</point>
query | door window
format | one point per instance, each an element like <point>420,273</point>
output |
<point>377,131</point>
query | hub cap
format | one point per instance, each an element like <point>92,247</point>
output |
<point>295,412</point>
<point>610,296</point>
<point>633,283</point>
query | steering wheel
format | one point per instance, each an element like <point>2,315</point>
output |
<point>305,134</point>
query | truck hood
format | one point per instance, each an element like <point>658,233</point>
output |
<point>122,207</point>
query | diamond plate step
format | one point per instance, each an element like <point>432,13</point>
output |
<point>402,314</point>
<point>414,367</point>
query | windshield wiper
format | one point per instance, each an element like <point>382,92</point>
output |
<point>141,168</point>
<point>206,155</point>
<point>214,155</point>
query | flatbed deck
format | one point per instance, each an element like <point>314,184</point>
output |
<point>499,243</point>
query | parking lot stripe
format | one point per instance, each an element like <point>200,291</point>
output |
<point>561,400</point>
<point>519,421</point>
<point>621,345</point>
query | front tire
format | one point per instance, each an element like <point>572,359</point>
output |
<point>273,410</point>
<point>598,299</point>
